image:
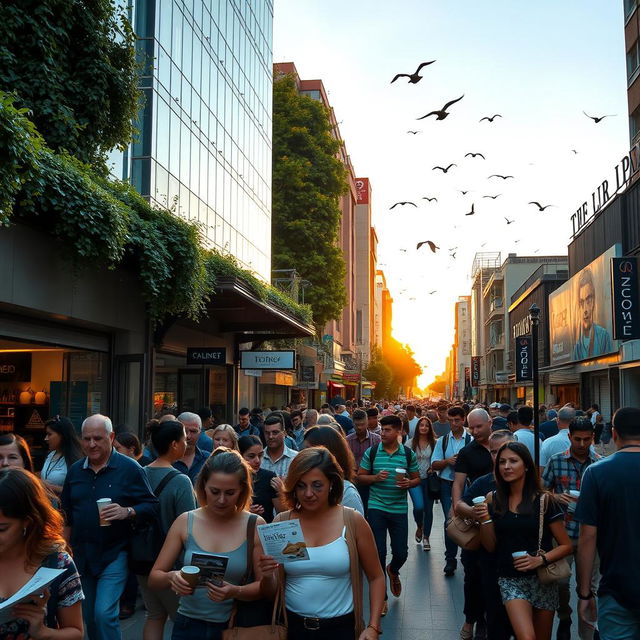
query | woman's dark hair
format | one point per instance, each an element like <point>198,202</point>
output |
<point>336,444</point>
<point>307,460</point>
<point>531,489</point>
<point>229,461</point>
<point>246,442</point>
<point>23,496</point>
<point>415,442</point>
<point>130,441</point>
<point>23,448</point>
<point>163,434</point>
<point>70,442</point>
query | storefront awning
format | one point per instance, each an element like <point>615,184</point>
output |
<point>238,310</point>
<point>235,308</point>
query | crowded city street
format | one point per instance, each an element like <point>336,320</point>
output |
<point>319,320</point>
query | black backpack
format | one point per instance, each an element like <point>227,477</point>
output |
<point>148,537</point>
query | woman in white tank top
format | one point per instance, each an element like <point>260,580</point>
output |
<point>322,600</point>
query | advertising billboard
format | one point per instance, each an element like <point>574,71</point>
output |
<point>580,315</point>
<point>524,358</point>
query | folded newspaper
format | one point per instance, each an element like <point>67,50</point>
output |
<point>30,592</point>
<point>283,540</point>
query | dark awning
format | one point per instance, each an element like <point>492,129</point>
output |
<point>237,309</point>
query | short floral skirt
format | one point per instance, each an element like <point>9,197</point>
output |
<point>529,588</point>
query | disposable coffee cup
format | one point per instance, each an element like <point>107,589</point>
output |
<point>519,554</point>
<point>479,500</point>
<point>575,495</point>
<point>191,574</point>
<point>102,503</point>
<point>400,474</point>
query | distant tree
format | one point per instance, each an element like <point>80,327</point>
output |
<point>379,372</point>
<point>73,65</point>
<point>308,180</point>
<point>399,358</point>
<point>438,386</point>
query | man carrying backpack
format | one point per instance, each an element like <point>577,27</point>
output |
<point>443,460</point>
<point>388,505</point>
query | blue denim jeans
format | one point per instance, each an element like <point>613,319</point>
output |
<point>185,628</point>
<point>397,526</point>
<point>422,507</point>
<point>101,604</point>
<point>451,548</point>
<point>616,622</point>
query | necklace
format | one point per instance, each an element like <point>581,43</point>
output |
<point>52,466</point>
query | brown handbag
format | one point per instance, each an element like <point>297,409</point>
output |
<point>554,571</point>
<point>465,533</point>
<point>274,631</point>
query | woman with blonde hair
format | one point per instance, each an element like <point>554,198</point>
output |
<point>31,538</point>
<point>224,435</point>
<point>324,593</point>
<point>222,526</point>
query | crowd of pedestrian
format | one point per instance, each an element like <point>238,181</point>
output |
<point>116,516</point>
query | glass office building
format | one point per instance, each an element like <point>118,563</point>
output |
<point>204,142</point>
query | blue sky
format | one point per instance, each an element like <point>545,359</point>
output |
<point>537,63</point>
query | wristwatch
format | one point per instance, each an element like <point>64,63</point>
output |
<point>130,512</point>
<point>545,562</point>
<point>587,597</point>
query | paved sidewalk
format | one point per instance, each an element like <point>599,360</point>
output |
<point>431,605</point>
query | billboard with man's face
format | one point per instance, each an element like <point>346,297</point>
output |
<point>580,319</point>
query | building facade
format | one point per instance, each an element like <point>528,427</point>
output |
<point>80,341</point>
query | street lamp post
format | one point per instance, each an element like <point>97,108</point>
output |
<point>534,315</point>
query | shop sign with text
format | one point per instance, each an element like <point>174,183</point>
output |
<point>15,367</point>
<point>624,298</point>
<point>268,359</point>
<point>206,355</point>
<point>524,358</point>
<point>475,371</point>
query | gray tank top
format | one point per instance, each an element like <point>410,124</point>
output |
<point>198,605</point>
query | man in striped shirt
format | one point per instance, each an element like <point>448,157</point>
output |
<point>388,506</point>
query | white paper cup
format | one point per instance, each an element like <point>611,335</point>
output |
<point>191,574</point>
<point>400,474</point>
<point>575,495</point>
<point>479,500</point>
<point>102,503</point>
<point>519,554</point>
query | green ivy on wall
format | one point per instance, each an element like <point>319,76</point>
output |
<point>108,223</point>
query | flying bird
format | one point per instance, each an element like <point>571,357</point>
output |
<point>413,132</point>
<point>498,175</point>
<point>432,245</point>
<point>432,292</point>
<point>414,78</point>
<point>453,255</point>
<point>540,207</point>
<point>403,250</point>
<point>430,199</point>
<point>493,197</point>
<point>442,113</point>
<point>490,118</point>
<point>597,119</point>
<point>508,221</point>
<point>444,169</point>
<point>473,210</point>
<point>464,193</point>
<point>473,155</point>
<point>574,151</point>
<point>402,204</point>
<point>411,298</point>
<point>453,248</point>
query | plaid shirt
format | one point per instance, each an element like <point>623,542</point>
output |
<point>564,473</point>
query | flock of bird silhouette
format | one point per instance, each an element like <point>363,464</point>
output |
<point>441,114</point>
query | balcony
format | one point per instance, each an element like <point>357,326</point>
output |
<point>496,307</point>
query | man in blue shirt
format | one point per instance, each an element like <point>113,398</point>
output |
<point>609,520</point>
<point>194,458</point>
<point>100,550</point>
<point>205,443</point>
<point>244,426</point>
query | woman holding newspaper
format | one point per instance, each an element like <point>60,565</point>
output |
<point>212,542</point>
<point>40,592</point>
<point>323,590</point>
